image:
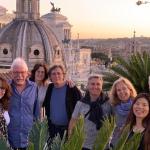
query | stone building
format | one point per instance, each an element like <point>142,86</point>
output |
<point>42,39</point>
<point>29,37</point>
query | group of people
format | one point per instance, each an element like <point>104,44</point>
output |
<point>25,99</point>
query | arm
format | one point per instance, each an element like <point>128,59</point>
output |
<point>74,118</point>
<point>71,126</point>
<point>6,116</point>
<point>70,83</point>
<point>36,109</point>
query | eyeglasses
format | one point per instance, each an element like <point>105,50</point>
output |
<point>18,73</point>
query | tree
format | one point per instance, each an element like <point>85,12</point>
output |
<point>136,69</point>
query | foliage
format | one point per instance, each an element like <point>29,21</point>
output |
<point>57,142</point>
<point>38,136</point>
<point>136,69</point>
<point>3,144</point>
<point>125,144</point>
<point>76,140</point>
<point>105,133</point>
<point>102,139</point>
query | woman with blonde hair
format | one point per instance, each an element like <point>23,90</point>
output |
<point>122,95</point>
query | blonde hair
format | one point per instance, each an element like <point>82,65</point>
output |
<point>114,100</point>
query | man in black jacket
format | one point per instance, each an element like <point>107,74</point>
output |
<point>60,101</point>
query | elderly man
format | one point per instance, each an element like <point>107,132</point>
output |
<point>24,107</point>
<point>60,101</point>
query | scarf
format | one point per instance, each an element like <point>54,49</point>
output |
<point>95,112</point>
<point>124,107</point>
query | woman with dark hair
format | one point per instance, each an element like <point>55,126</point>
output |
<point>5,93</point>
<point>40,76</point>
<point>139,120</point>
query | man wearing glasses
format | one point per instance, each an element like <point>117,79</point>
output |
<point>24,107</point>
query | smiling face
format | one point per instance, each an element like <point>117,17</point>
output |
<point>141,108</point>
<point>123,92</point>
<point>57,76</point>
<point>40,74</point>
<point>20,75</point>
<point>95,87</point>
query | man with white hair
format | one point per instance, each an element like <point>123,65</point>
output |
<point>24,106</point>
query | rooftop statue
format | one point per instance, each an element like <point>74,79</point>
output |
<point>54,9</point>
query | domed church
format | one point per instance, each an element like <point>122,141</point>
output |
<point>41,39</point>
<point>29,37</point>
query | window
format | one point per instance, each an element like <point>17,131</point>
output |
<point>36,52</point>
<point>5,51</point>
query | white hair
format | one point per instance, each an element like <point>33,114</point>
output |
<point>19,62</point>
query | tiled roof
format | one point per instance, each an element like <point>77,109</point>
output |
<point>6,75</point>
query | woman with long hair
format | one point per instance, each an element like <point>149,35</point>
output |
<point>5,93</point>
<point>40,76</point>
<point>139,119</point>
<point>122,95</point>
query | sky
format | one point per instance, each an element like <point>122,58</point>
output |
<point>99,18</point>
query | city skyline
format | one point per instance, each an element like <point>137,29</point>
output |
<point>97,18</point>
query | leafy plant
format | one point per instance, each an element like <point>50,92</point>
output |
<point>136,69</point>
<point>58,143</point>
<point>38,136</point>
<point>126,143</point>
<point>3,144</point>
<point>105,133</point>
<point>76,140</point>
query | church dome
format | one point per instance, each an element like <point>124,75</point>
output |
<point>29,37</point>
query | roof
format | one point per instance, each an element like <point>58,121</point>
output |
<point>6,75</point>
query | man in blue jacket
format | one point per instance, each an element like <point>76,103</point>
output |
<point>24,107</point>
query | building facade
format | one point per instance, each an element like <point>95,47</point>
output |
<point>42,39</point>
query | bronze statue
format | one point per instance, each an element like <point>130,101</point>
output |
<point>54,9</point>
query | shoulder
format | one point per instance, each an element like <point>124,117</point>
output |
<point>31,83</point>
<point>73,89</point>
<point>50,86</point>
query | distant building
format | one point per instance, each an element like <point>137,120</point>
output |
<point>29,37</point>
